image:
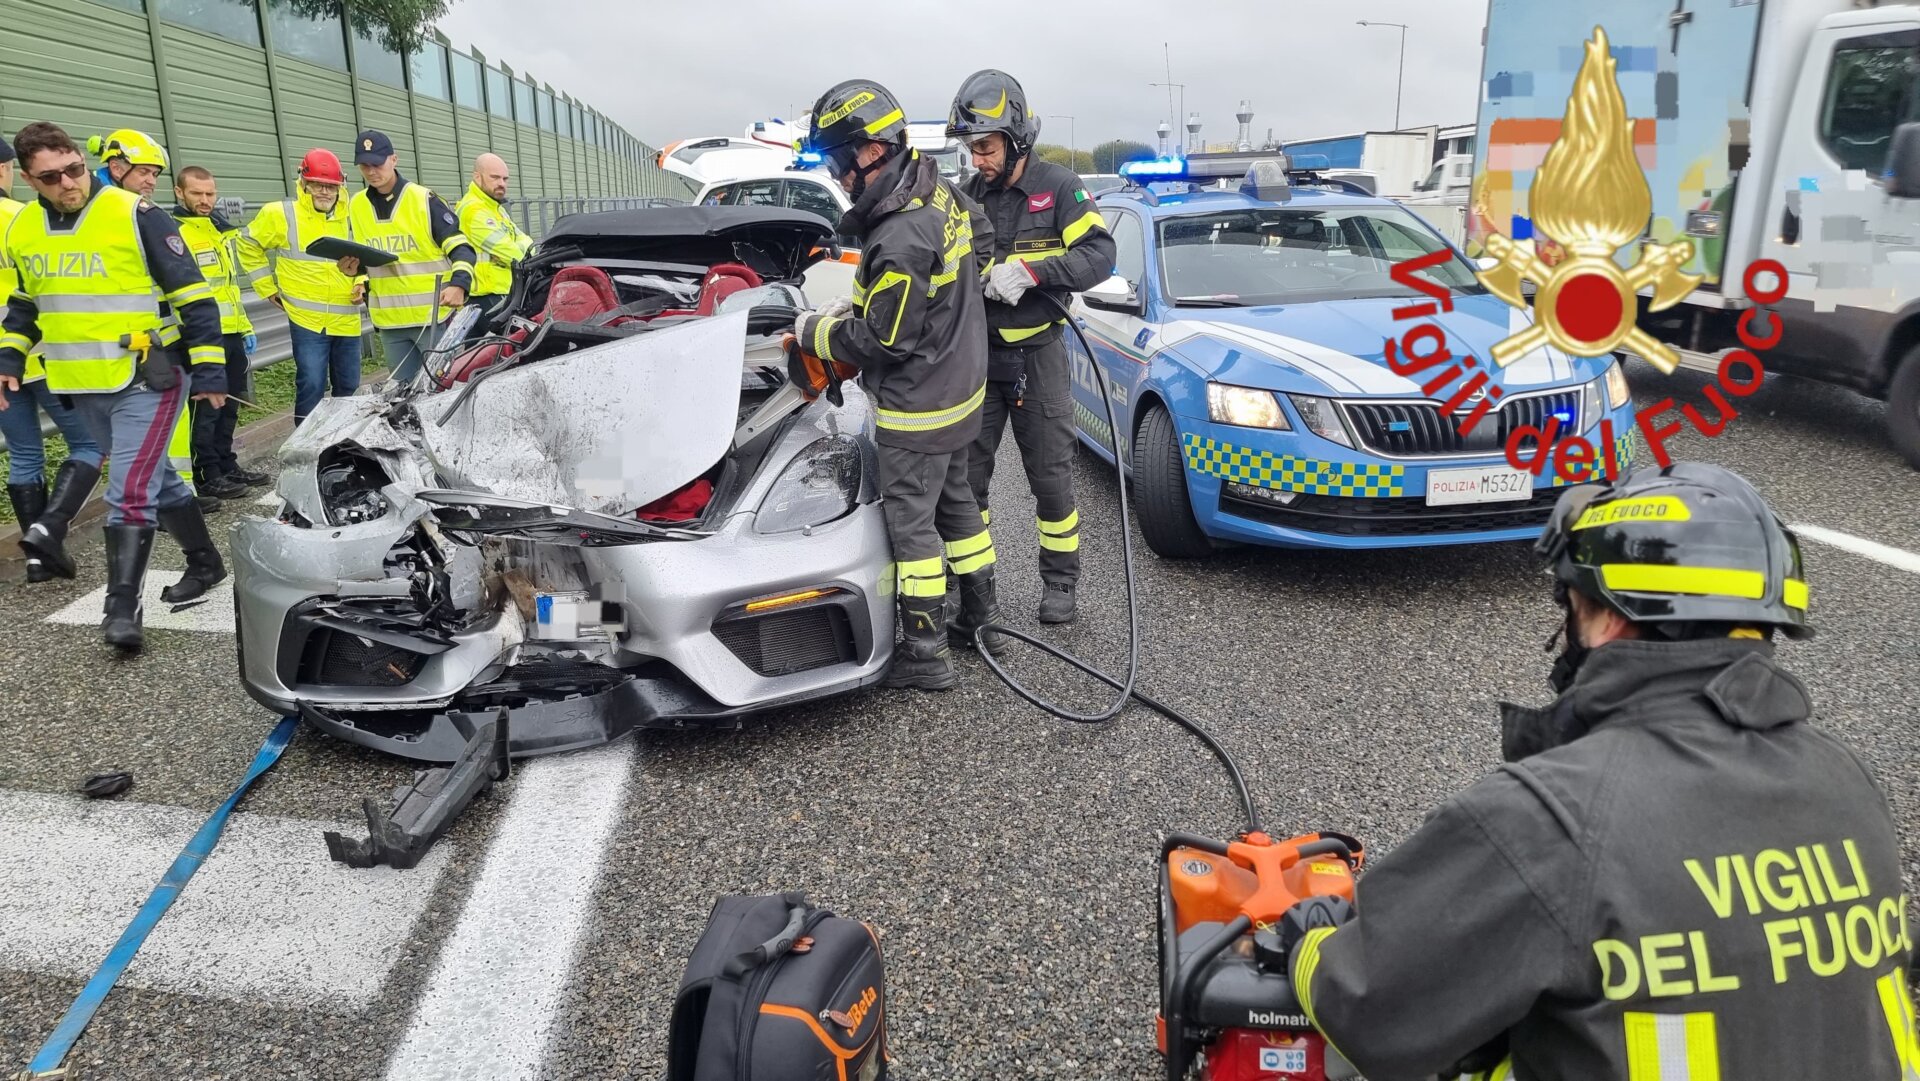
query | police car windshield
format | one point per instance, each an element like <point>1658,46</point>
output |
<point>1289,255</point>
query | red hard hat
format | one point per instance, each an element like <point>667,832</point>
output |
<point>321,165</point>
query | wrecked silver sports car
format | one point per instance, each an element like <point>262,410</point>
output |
<point>609,510</point>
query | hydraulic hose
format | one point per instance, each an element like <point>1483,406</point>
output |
<point>1128,690</point>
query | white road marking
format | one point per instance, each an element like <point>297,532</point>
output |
<point>1860,546</point>
<point>495,994</point>
<point>269,918</point>
<point>213,613</point>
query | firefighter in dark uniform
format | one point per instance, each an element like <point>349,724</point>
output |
<point>1675,876</point>
<point>113,301</point>
<point>1047,237</point>
<point>915,327</point>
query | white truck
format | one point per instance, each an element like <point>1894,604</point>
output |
<point>1784,130</point>
<point>1397,159</point>
<point>1441,198</point>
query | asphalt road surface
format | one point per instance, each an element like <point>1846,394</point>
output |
<point>1007,858</point>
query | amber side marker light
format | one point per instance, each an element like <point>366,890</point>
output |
<point>790,598</point>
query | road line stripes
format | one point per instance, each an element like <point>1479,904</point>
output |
<point>1860,546</point>
<point>496,993</point>
<point>268,919</point>
<point>213,613</point>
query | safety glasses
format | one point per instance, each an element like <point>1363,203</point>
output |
<point>52,177</point>
<point>841,158</point>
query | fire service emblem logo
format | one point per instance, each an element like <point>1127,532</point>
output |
<point>1591,198</point>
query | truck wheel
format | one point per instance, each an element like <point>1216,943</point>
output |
<point>1903,408</point>
<point>1160,488</point>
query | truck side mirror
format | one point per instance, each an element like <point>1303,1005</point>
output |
<point>1903,162</point>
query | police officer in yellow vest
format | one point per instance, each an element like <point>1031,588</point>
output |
<point>100,271</point>
<point>485,224</point>
<point>133,161</point>
<point>43,516</point>
<point>322,304</point>
<point>394,214</point>
<point>214,244</point>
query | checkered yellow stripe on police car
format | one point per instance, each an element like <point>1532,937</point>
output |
<point>1622,454</point>
<point>1288,473</point>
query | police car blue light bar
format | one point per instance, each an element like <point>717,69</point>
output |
<point>809,157</point>
<point>1157,169</point>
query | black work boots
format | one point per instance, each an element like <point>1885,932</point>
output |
<point>204,566</point>
<point>979,605</point>
<point>44,536</point>
<point>29,503</point>
<point>1056,603</point>
<point>921,659</point>
<point>128,547</point>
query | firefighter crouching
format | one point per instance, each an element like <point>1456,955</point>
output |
<point>915,328</point>
<point>100,270</point>
<point>1048,237</point>
<point>1676,876</point>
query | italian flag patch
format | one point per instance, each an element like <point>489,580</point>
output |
<point>1080,196</point>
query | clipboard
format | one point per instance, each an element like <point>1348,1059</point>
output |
<point>333,247</point>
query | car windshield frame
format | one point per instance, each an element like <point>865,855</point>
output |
<point>1356,222</point>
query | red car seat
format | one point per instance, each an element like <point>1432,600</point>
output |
<point>722,281</point>
<point>576,294</point>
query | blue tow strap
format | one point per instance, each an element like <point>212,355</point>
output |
<point>54,1051</point>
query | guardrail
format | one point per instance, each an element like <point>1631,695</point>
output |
<point>274,344</point>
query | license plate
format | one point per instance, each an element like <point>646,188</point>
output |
<point>1451,487</point>
<point>561,616</point>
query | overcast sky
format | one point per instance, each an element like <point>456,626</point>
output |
<point>673,70</point>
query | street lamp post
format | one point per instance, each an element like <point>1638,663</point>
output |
<point>1073,138</point>
<point>1175,120</point>
<point>1399,79</point>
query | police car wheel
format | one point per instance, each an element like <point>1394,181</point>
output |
<point>1160,491</point>
<point>1903,408</point>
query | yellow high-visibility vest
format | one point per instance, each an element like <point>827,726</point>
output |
<point>91,286</point>
<point>315,294</point>
<point>498,242</point>
<point>401,294</point>
<point>219,262</point>
<point>10,283</point>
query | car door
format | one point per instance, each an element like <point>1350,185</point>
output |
<point>1118,340</point>
<point>1846,244</point>
<point>830,277</point>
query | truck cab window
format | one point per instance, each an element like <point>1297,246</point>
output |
<point>1869,91</point>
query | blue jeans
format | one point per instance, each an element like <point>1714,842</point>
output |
<point>26,449</point>
<point>317,360</point>
<point>407,349</point>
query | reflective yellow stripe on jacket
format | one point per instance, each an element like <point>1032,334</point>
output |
<point>498,242</point>
<point>315,294</point>
<point>219,261</point>
<point>92,287</point>
<point>401,294</point>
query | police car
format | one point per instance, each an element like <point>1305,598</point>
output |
<point>1244,340</point>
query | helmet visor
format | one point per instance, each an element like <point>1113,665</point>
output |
<point>1558,532</point>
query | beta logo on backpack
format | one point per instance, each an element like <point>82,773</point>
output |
<point>856,1013</point>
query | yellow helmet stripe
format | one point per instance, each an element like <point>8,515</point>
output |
<point>994,113</point>
<point>880,125</point>
<point>1796,594</point>
<point>1664,578</point>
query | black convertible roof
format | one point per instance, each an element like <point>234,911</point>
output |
<point>776,242</point>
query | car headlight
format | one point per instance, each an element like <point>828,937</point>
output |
<point>1618,393</point>
<point>1245,407</point>
<point>350,482</point>
<point>1320,417</point>
<point>821,484</point>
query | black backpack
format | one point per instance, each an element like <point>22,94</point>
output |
<point>778,990</point>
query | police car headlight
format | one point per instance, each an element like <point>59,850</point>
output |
<point>1245,407</point>
<point>1320,417</point>
<point>821,484</point>
<point>1618,393</point>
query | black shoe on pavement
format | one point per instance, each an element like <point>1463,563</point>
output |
<point>47,536</point>
<point>208,504</point>
<point>979,604</point>
<point>128,547</point>
<point>1056,603</point>
<point>29,503</point>
<point>221,486</point>
<point>204,566</point>
<point>922,660</point>
<point>252,478</point>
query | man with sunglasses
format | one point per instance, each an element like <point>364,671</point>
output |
<point>1048,237</point>
<point>112,300</point>
<point>915,329</point>
<point>1676,874</point>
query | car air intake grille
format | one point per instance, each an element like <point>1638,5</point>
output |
<point>791,640</point>
<point>338,659</point>
<point>1347,516</point>
<point>1419,430</point>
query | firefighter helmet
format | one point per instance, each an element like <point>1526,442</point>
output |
<point>1686,544</point>
<point>135,147</point>
<point>854,112</point>
<point>991,101</point>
